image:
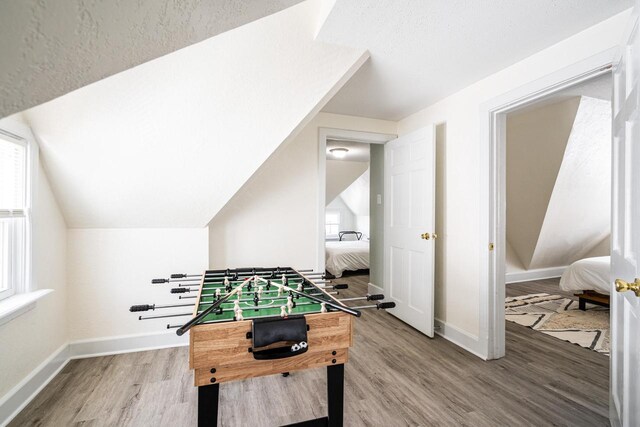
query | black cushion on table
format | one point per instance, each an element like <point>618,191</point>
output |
<point>275,330</point>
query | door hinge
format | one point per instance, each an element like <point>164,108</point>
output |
<point>491,246</point>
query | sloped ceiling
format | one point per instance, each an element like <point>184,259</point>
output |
<point>578,217</point>
<point>536,141</point>
<point>356,196</point>
<point>167,143</point>
<point>424,50</point>
<point>51,47</point>
<point>340,175</point>
<point>558,182</point>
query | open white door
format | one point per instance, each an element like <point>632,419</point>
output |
<point>409,220</point>
<point>625,236</point>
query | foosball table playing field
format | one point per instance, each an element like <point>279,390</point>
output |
<point>252,322</point>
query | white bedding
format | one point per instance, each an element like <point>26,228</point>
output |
<point>346,255</point>
<point>589,274</point>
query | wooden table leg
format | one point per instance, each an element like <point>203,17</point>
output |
<point>335,394</point>
<point>208,405</point>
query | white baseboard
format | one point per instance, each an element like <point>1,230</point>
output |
<point>125,344</point>
<point>24,392</point>
<point>537,274</point>
<point>461,338</point>
<point>374,289</point>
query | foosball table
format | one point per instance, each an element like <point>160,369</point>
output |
<point>252,322</point>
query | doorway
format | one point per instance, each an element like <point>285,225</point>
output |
<point>494,163</point>
<point>350,204</point>
<point>558,220</point>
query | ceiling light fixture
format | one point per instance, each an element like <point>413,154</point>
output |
<point>339,152</point>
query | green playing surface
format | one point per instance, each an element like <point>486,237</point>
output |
<point>269,304</point>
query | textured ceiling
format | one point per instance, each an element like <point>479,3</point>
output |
<point>424,50</point>
<point>51,47</point>
<point>168,143</point>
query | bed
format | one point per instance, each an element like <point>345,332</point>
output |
<point>590,277</point>
<point>350,255</point>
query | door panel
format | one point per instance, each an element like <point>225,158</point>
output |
<point>625,235</point>
<point>409,212</point>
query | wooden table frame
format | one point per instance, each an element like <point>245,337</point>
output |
<point>221,352</point>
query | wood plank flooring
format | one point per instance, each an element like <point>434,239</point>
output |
<point>549,286</point>
<point>396,377</point>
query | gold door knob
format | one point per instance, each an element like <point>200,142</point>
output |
<point>623,286</point>
<point>425,236</point>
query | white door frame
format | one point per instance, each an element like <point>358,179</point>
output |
<point>493,188</point>
<point>325,133</point>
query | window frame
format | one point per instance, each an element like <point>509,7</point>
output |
<point>326,224</point>
<point>15,136</point>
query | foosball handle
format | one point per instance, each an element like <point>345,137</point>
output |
<point>179,290</point>
<point>375,297</point>
<point>341,286</point>
<point>157,281</point>
<point>178,276</point>
<point>142,307</point>
<point>385,305</point>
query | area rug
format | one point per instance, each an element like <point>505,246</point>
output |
<point>561,318</point>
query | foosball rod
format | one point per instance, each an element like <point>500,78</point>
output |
<point>262,298</point>
<point>250,272</point>
<point>375,297</point>
<point>203,296</point>
<point>153,307</point>
<point>231,282</point>
<point>176,277</point>
<point>185,290</point>
<point>351,311</point>
<point>147,307</point>
<point>213,306</point>
<point>379,306</point>
<point>244,309</point>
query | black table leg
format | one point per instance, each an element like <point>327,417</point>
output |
<point>208,405</point>
<point>335,394</point>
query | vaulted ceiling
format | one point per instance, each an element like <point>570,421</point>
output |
<point>51,47</point>
<point>168,143</point>
<point>135,133</point>
<point>424,50</point>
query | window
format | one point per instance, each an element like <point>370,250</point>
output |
<point>332,223</point>
<point>14,215</point>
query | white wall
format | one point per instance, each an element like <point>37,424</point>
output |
<point>29,339</point>
<point>273,219</point>
<point>111,269</point>
<point>461,112</point>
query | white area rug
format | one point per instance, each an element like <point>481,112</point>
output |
<point>560,317</point>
